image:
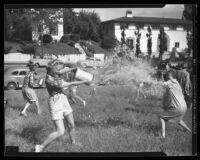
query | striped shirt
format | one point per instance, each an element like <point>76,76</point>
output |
<point>29,80</point>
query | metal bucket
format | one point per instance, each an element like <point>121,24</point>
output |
<point>82,75</point>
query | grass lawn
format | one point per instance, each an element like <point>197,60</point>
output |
<point>111,122</point>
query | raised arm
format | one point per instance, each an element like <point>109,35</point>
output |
<point>67,84</point>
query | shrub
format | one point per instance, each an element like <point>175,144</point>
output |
<point>65,38</point>
<point>108,42</point>
<point>71,43</point>
<point>7,49</point>
<point>47,38</point>
<point>75,37</point>
<point>28,48</point>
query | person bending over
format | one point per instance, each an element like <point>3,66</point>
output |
<point>174,103</point>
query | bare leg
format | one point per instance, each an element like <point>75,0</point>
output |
<point>25,108</point>
<point>181,123</point>
<point>60,130</point>
<point>163,127</point>
<point>38,107</point>
<point>71,127</point>
<point>78,97</point>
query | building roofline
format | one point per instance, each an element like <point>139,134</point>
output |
<point>149,20</point>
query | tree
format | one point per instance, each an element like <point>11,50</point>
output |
<point>138,36</point>
<point>108,42</point>
<point>163,42</point>
<point>188,12</point>
<point>7,24</point>
<point>69,19</point>
<point>149,41</point>
<point>86,24</point>
<point>123,27</point>
<point>17,25</point>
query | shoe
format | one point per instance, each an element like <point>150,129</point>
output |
<point>38,148</point>
<point>84,104</point>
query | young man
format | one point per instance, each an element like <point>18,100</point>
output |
<point>58,104</point>
<point>27,89</point>
<point>183,77</point>
<point>173,102</point>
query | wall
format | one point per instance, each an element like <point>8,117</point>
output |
<point>35,34</point>
<point>72,57</point>
<point>175,36</point>
<point>16,57</point>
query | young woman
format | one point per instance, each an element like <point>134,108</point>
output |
<point>58,104</point>
<point>174,103</point>
<point>28,91</point>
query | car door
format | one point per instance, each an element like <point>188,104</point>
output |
<point>12,77</point>
<point>21,77</point>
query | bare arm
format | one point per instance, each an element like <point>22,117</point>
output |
<point>67,84</point>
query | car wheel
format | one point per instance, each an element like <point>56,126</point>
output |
<point>11,85</point>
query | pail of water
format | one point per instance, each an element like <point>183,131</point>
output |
<point>83,75</point>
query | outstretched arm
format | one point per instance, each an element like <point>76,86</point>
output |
<point>67,84</point>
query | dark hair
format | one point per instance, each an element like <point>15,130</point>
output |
<point>167,75</point>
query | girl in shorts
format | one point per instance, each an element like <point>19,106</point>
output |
<point>58,104</point>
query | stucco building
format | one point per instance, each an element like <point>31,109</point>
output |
<point>176,29</point>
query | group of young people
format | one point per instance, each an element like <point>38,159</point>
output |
<point>60,78</point>
<point>57,81</point>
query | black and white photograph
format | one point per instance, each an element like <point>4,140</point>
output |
<point>100,79</point>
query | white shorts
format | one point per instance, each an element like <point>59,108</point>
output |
<point>58,105</point>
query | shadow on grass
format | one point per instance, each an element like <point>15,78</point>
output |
<point>135,110</point>
<point>31,133</point>
<point>110,122</point>
<point>11,132</point>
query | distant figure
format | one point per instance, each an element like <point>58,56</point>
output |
<point>28,91</point>
<point>173,103</point>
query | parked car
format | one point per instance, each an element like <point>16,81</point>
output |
<point>14,77</point>
<point>91,62</point>
<point>41,62</point>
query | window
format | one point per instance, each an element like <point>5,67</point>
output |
<point>177,44</point>
<point>15,73</point>
<point>22,73</point>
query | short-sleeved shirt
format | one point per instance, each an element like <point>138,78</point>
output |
<point>173,96</point>
<point>29,80</point>
<point>53,85</point>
